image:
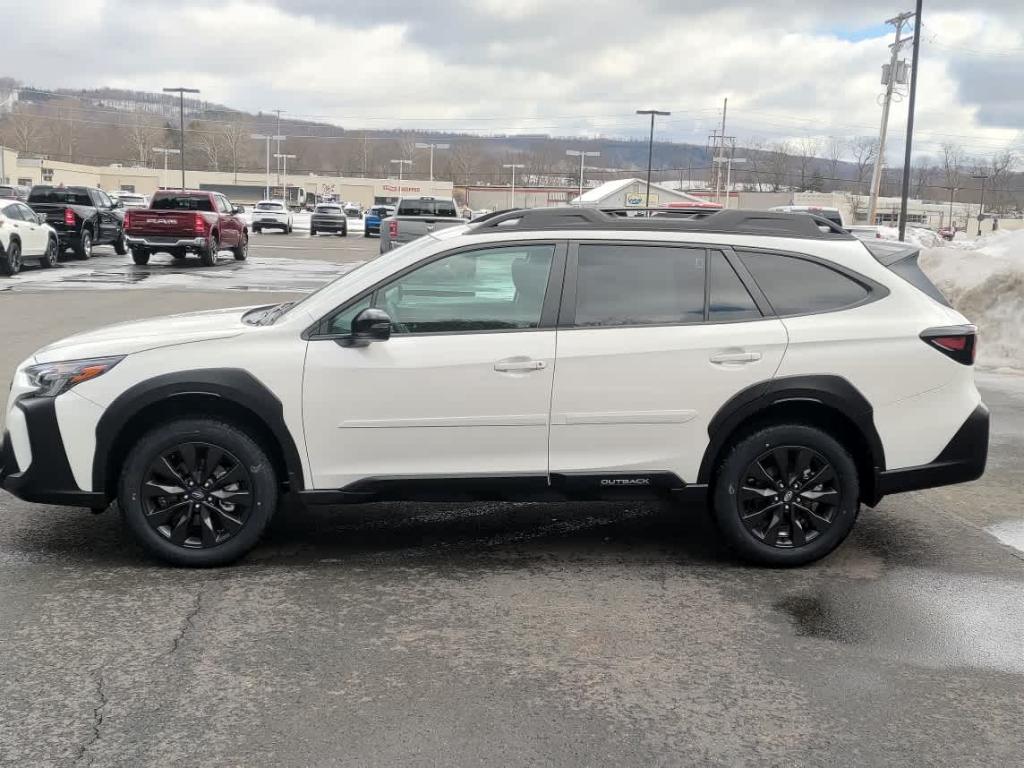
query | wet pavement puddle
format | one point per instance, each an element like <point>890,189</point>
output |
<point>254,274</point>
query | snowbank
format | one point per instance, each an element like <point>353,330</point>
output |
<point>984,279</point>
<point>915,236</point>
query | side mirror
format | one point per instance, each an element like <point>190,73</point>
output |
<point>371,324</point>
<point>117,204</point>
<point>40,218</point>
<point>237,210</point>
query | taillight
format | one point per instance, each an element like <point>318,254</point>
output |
<point>393,229</point>
<point>199,225</point>
<point>69,217</point>
<point>958,342</point>
<point>127,220</point>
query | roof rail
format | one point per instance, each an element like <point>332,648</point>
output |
<point>730,221</point>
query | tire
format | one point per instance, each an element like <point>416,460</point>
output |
<point>178,254</point>
<point>288,229</point>
<point>140,257</point>
<point>312,232</point>
<point>171,526</point>
<point>10,263</point>
<point>120,245</point>
<point>257,230</point>
<point>752,511</point>
<point>209,256</point>
<point>83,249</point>
<point>51,256</point>
<point>344,232</point>
<point>366,234</point>
<point>241,251</point>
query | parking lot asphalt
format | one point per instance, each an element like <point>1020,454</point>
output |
<point>506,634</point>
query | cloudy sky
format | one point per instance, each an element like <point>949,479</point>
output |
<point>563,67</point>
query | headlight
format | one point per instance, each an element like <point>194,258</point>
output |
<point>52,379</point>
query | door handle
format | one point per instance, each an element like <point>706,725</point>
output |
<point>736,357</point>
<point>519,364</point>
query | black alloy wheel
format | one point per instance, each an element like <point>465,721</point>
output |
<point>789,497</point>
<point>197,495</point>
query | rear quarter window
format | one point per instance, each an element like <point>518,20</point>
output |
<point>799,286</point>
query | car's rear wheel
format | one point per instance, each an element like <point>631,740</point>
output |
<point>51,255</point>
<point>140,256</point>
<point>197,492</point>
<point>786,495</point>
<point>10,263</point>
<point>257,230</point>
<point>312,231</point>
<point>288,229</point>
<point>83,250</point>
<point>208,256</point>
<point>344,232</point>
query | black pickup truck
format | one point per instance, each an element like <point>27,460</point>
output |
<point>82,216</point>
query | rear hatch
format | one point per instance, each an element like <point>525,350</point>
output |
<point>901,259</point>
<point>269,212</point>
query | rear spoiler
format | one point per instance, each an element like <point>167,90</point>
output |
<point>901,259</point>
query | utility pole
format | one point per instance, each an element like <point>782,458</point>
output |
<point>582,155</point>
<point>181,123</point>
<point>981,205</point>
<point>165,153</point>
<point>267,138</point>
<point>432,147</point>
<point>401,165</point>
<point>890,77</point>
<point>905,192</point>
<point>279,138</point>
<point>284,161</point>
<point>513,166</point>
<point>650,148</point>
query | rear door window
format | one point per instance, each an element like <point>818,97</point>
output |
<point>628,285</point>
<point>728,298</point>
<point>798,286</point>
<point>12,212</point>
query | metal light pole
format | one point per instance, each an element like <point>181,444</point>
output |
<point>181,122</point>
<point>981,205</point>
<point>513,166</point>
<point>165,153</point>
<point>261,137</point>
<point>650,148</point>
<point>582,156</point>
<point>284,175</point>
<point>432,147</point>
<point>905,192</point>
<point>401,166</point>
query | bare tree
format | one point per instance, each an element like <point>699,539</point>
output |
<point>953,159</point>
<point>835,149</point>
<point>807,149</point>
<point>922,172</point>
<point>999,169</point>
<point>756,154</point>
<point>863,149</point>
<point>780,156</point>
<point>63,135</point>
<point>26,131</point>
<point>234,136</point>
<point>142,135</point>
<point>208,141</point>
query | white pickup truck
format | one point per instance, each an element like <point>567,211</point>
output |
<point>415,217</point>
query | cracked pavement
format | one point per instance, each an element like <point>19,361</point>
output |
<point>512,634</point>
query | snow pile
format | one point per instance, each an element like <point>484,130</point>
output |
<point>924,238</point>
<point>984,280</point>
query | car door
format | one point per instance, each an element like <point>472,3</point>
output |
<point>107,221</point>
<point>35,237</point>
<point>17,226</point>
<point>462,387</point>
<point>229,228</point>
<point>653,339</point>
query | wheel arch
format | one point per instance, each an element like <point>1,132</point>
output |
<point>228,394</point>
<point>830,403</point>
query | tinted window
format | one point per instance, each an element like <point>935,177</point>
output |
<point>182,203</point>
<point>269,207</point>
<point>728,298</point>
<point>12,212</point>
<point>60,195</point>
<point>7,192</point>
<point>797,286</point>
<point>329,209</point>
<point>639,285</point>
<point>427,208</point>
<point>490,290</point>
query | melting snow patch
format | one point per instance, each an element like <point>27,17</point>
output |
<point>1010,533</point>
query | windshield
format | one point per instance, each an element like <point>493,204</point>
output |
<point>328,209</point>
<point>269,207</point>
<point>182,203</point>
<point>427,208</point>
<point>60,195</point>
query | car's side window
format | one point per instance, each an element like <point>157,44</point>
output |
<point>341,323</point>
<point>12,212</point>
<point>628,285</point>
<point>27,213</point>
<point>796,286</point>
<point>104,201</point>
<point>728,299</point>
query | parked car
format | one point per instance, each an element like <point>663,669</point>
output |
<point>184,222</point>
<point>24,235</point>
<point>132,200</point>
<point>947,233</point>
<point>415,217</point>
<point>83,217</point>
<point>328,217</point>
<point>353,210</point>
<point>272,214</point>
<point>865,232</point>
<point>374,215</point>
<point>783,374</point>
<point>14,192</point>
<point>832,214</point>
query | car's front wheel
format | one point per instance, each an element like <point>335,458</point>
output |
<point>786,495</point>
<point>197,492</point>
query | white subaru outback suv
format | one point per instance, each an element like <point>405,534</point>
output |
<point>767,363</point>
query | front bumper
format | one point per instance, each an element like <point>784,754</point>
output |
<point>48,479</point>
<point>962,460</point>
<point>157,242</point>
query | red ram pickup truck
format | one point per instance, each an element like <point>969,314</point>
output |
<point>186,221</point>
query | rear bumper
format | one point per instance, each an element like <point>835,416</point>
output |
<point>270,224</point>
<point>962,460</point>
<point>160,242</point>
<point>48,479</point>
<point>333,225</point>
